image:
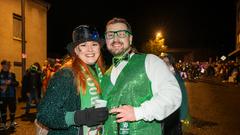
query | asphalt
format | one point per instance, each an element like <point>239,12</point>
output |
<point>213,107</point>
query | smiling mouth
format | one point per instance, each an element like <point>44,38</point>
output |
<point>117,45</point>
<point>90,55</point>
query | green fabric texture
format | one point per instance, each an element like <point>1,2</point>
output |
<point>185,117</point>
<point>56,110</point>
<point>54,106</point>
<point>184,112</point>
<point>132,87</point>
<point>87,99</point>
<point>69,118</point>
<point>91,92</point>
<point>117,59</point>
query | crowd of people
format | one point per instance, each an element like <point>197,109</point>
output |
<point>143,93</point>
<point>33,88</point>
<point>227,71</point>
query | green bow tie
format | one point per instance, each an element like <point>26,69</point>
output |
<point>117,60</point>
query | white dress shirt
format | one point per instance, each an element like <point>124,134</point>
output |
<point>166,91</point>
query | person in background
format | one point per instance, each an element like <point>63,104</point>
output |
<point>139,88</point>
<point>8,84</point>
<point>68,106</point>
<point>180,118</point>
<point>48,71</point>
<point>32,85</point>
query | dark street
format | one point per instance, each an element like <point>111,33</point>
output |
<point>214,107</point>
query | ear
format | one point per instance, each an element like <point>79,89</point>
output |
<point>77,50</point>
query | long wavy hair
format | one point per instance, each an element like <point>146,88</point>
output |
<point>80,76</point>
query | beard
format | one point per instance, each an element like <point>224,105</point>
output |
<point>115,51</point>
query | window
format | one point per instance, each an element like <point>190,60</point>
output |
<point>17,26</point>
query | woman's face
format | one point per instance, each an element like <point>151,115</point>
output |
<point>88,52</point>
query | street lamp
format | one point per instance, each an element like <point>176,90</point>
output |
<point>156,44</point>
<point>158,35</point>
<point>159,43</point>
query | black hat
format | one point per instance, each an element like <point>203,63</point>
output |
<point>4,62</point>
<point>83,33</point>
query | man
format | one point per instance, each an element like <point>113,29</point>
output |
<point>8,83</point>
<point>32,85</point>
<point>139,88</point>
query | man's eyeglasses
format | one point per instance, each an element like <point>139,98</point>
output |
<point>119,33</point>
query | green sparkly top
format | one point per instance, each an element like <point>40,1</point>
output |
<point>132,87</point>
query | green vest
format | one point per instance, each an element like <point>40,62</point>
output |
<point>132,87</point>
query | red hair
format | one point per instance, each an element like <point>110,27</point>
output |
<point>80,75</point>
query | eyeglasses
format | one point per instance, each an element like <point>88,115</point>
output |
<point>120,34</point>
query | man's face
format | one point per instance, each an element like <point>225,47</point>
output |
<point>118,45</point>
<point>6,67</point>
<point>88,52</point>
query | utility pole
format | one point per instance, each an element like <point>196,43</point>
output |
<point>23,38</point>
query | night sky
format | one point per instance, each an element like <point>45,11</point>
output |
<point>196,24</point>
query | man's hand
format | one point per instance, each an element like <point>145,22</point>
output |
<point>124,113</point>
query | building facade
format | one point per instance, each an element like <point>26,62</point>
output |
<point>236,52</point>
<point>11,33</point>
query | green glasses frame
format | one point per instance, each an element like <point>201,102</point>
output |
<point>119,33</point>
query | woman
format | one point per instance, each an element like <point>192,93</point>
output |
<point>68,107</point>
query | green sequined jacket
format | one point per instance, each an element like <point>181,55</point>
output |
<point>61,97</point>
